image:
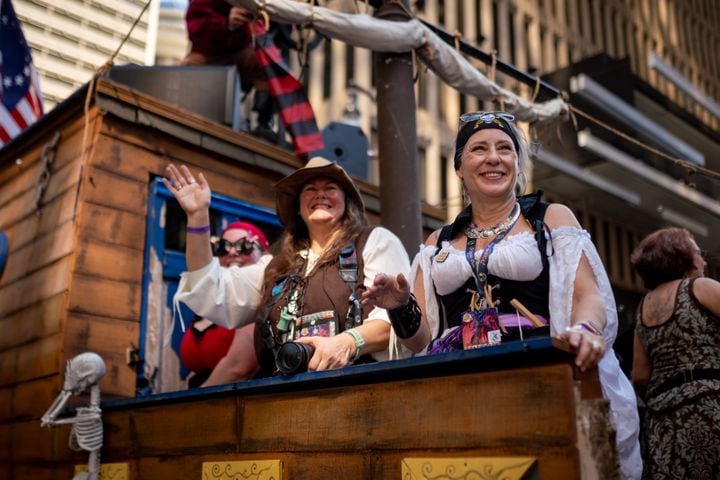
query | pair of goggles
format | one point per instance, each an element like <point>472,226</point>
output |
<point>486,117</point>
<point>243,246</point>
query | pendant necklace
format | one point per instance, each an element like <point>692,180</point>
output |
<point>473,231</point>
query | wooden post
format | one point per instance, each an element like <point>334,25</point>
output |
<point>397,140</point>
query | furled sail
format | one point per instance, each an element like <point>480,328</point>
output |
<point>362,30</point>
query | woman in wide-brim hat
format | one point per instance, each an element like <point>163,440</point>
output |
<point>307,292</point>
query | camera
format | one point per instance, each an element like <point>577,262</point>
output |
<point>293,357</point>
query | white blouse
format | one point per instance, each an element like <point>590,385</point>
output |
<point>515,258</point>
<point>230,296</point>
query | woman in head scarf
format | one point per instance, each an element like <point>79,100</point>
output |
<point>511,266</point>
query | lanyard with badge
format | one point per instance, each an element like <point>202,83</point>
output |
<point>480,323</point>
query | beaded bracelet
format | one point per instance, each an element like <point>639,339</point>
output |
<point>198,230</point>
<point>406,320</point>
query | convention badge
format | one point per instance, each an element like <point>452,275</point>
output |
<point>320,324</point>
<point>480,328</point>
<point>442,256</point>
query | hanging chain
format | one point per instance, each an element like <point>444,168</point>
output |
<point>47,157</point>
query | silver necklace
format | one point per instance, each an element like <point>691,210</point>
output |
<point>473,231</point>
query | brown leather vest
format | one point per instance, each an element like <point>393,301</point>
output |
<point>324,289</point>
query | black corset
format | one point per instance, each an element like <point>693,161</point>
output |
<point>533,294</point>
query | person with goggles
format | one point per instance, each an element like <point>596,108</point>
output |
<point>511,266</point>
<point>214,354</point>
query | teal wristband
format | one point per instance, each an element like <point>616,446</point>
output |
<point>359,342</point>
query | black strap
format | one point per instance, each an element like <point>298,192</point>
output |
<point>686,376</point>
<point>349,273</point>
<point>534,209</point>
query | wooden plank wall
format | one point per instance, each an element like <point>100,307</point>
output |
<point>105,301</point>
<point>34,289</point>
<point>73,281</point>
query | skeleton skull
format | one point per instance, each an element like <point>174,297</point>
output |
<point>83,371</point>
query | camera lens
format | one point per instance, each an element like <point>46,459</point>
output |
<point>293,357</point>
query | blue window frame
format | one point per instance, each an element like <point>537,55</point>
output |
<point>164,262</point>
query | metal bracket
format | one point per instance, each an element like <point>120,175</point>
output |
<point>47,157</point>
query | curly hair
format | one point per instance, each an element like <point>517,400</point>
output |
<point>664,255</point>
<point>296,237</point>
<point>522,152</point>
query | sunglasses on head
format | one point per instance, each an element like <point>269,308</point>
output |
<point>486,117</point>
<point>243,246</point>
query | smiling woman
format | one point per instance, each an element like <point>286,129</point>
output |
<point>510,267</point>
<point>309,292</point>
<point>322,204</point>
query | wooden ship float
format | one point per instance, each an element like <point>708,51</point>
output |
<point>94,246</point>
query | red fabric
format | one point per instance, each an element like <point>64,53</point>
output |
<point>204,354</point>
<point>250,228</point>
<point>207,25</point>
<point>295,110</point>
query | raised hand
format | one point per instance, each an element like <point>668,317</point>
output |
<point>192,195</point>
<point>387,292</point>
<point>238,17</point>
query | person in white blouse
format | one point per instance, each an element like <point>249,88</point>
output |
<point>529,259</point>
<point>309,291</point>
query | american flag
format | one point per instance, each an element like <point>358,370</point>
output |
<point>295,110</point>
<point>20,99</point>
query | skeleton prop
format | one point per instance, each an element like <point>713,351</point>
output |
<point>83,371</point>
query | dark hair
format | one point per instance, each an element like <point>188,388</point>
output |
<point>296,237</point>
<point>664,255</point>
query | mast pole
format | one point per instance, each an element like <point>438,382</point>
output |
<point>397,139</point>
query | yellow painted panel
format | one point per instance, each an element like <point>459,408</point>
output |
<point>109,471</point>
<point>480,468</point>
<point>252,470</point>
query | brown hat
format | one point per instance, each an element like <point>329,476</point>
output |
<point>287,190</point>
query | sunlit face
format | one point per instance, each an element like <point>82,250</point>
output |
<point>699,262</point>
<point>235,258</point>
<point>322,202</point>
<point>489,164</point>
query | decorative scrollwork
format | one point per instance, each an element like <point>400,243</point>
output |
<point>243,470</point>
<point>476,468</point>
